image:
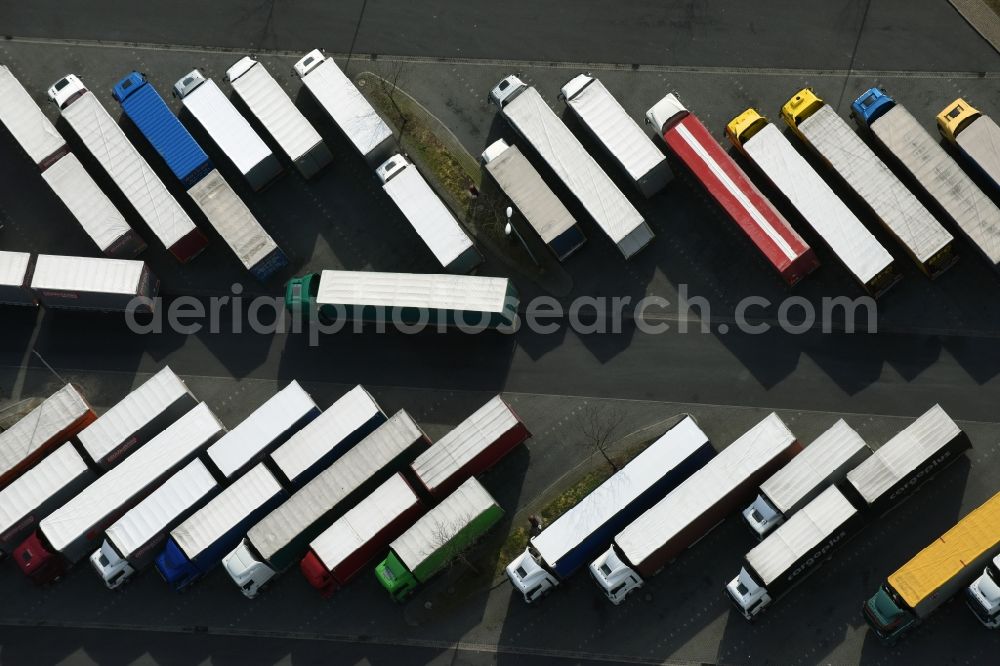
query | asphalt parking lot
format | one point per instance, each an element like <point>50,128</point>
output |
<point>937,341</point>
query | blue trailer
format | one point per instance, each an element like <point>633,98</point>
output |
<point>577,536</point>
<point>200,542</point>
<point>151,115</point>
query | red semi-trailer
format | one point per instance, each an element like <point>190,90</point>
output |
<point>689,140</point>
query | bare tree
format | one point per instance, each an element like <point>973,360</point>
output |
<point>389,76</point>
<point>599,425</point>
<point>443,537</point>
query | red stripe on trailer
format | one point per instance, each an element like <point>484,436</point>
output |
<point>729,185</point>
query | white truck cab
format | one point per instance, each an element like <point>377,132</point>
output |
<point>392,166</point>
<point>507,90</point>
<point>750,598</point>
<point>616,578</point>
<point>983,595</point>
<point>494,150</point>
<point>110,566</point>
<point>241,67</point>
<point>188,83</point>
<point>308,63</point>
<point>529,577</point>
<point>575,86</point>
<point>660,115</point>
<point>66,89</point>
<point>762,517</point>
<point>249,573</point>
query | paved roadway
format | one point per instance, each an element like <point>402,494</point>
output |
<point>830,34</point>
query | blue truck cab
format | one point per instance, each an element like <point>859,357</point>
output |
<point>154,119</point>
<point>870,106</point>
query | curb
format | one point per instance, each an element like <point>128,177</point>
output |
<point>982,19</point>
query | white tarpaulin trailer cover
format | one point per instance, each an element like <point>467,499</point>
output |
<point>58,412</point>
<point>87,274</point>
<point>611,210</point>
<point>25,121</point>
<point>849,239</point>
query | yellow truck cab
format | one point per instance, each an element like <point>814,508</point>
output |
<point>955,117</point>
<point>744,126</point>
<point>802,105</point>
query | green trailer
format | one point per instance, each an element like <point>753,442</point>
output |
<point>404,298</point>
<point>438,538</point>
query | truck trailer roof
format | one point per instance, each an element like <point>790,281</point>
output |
<point>807,470</point>
<point>14,268</point>
<point>470,293</point>
<point>64,409</point>
<point>152,515</point>
<point>351,412</point>
<point>897,458</point>
<point>336,483</point>
<point>87,274</point>
<point>228,508</point>
<point>951,554</point>
<point>132,477</point>
<point>39,483</point>
<point>775,555</point>
<point>442,523</point>
<point>703,489</point>
<point>252,437</point>
<point>136,409</point>
<point>25,121</point>
<point>362,523</point>
<point>272,106</point>
<point>631,481</point>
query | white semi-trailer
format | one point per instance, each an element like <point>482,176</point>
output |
<point>127,168</point>
<point>428,215</point>
<point>535,200</point>
<point>131,543</point>
<point>272,107</point>
<point>537,123</point>
<point>927,242</point>
<point>346,106</point>
<point>621,137</point>
<point>856,248</point>
<point>93,283</point>
<point>15,279</point>
<point>62,171</point>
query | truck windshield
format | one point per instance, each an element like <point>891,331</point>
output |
<point>993,572</point>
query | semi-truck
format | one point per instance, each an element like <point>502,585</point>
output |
<point>826,461</point>
<point>437,538</point>
<point>281,538</point>
<point>577,536</point>
<point>471,448</point>
<point>230,131</point>
<point>268,427</point>
<point>197,545</point>
<point>977,136</point>
<point>687,138</point>
<point>347,107</point>
<point>430,218</point>
<point>410,299</point>
<point>64,174</point>
<point>327,437</point>
<point>94,283</point>
<point>543,130</point>
<point>40,491</point>
<point>907,461</point>
<point>793,551</point>
<point>137,418</point>
<point>925,240</point>
<point>533,198</point>
<point>15,279</point>
<point>856,248</point>
<point>131,542</point>
<point>279,117</point>
<point>914,148</point>
<point>983,595</point>
<point>911,593</point>
<point>361,535</point>
<point>133,176</point>
<point>68,534</point>
<point>608,122</point>
<point>58,419</point>
<point>693,509</point>
<point>222,207</point>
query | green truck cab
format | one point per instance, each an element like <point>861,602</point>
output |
<point>300,293</point>
<point>396,578</point>
<point>887,615</point>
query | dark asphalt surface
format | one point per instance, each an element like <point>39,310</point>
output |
<point>820,34</point>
